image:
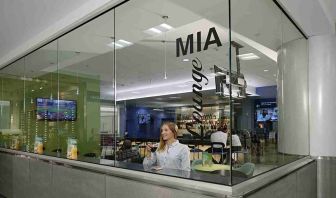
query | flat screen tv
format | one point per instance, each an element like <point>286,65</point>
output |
<point>265,114</point>
<point>53,110</point>
<point>144,118</point>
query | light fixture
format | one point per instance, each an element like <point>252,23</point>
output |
<point>41,87</point>
<point>155,30</point>
<point>157,109</point>
<point>166,26</point>
<point>125,42</point>
<point>159,29</point>
<point>185,60</point>
<point>119,44</point>
<point>265,70</point>
<point>248,56</point>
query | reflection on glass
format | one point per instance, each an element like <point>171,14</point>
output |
<point>148,86</point>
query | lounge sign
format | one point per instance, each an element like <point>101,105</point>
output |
<point>199,78</point>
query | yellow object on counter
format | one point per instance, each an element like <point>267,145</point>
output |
<point>40,149</point>
<point>74,153</point>
<point>211,168</point>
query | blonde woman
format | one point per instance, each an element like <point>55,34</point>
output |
<point>170,153</point>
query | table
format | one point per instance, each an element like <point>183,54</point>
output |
<point>213,167</point>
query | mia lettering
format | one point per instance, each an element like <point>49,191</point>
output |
<point>212,38</point>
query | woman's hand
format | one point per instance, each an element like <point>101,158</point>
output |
<point>148,148</point>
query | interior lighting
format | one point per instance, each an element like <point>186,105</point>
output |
<point>248,56</point>
<point>166,26</point>
<point>159,29</point>
<point>157,109</point>
<point>119,44</point>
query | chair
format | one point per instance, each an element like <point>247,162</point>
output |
<point>221,146</point>
<point>194,163</point>
<point>194,149</point>
<point>247,169</point>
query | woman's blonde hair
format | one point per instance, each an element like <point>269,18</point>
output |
<point>173,127</point>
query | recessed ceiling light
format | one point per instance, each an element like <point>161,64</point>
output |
<point>166,26</point>
<point>41,87</point>
<point>157,109</point>
<point>159,29</point>
<point>33,90</point>
<point>265,70</point>
<point>125,42</point>
<point>248,56</point>
<point>185,60</point>
<point>119,44</point>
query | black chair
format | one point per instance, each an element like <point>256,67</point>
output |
<point>194,149</point>
<point>219,149</point>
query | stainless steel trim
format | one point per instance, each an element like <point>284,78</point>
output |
<point>265,179</point>
<point>326,176</point>
<point>160,180</point>
<point>324,157</point>
<point>205,188</point>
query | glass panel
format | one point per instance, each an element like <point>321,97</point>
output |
<point>167,53</point>
<point>167,92</point>
<point>40,89</point>
<point>86,92</point>
<point>13,129</point>
<point>259,30</point>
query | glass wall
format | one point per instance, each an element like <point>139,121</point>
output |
<point>165,87</point>
<point>261,30</point>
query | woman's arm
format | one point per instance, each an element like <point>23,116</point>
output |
<point>150,158</point>
<point>185,160</point>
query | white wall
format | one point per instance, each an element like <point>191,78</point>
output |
<point>293,98</point>
<point>322,95</point>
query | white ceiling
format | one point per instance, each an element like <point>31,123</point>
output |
<point>258,25</point>
<point>331,8</point>
<point>21,20</point>
<point>314,17</point>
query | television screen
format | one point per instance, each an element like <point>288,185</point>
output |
<point>52,110</point>
<point>144,118</point>
<point>265,114</point>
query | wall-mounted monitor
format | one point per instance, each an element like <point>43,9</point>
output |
<point>53,110</point>
<point>144,118</point>
<point>266,114</point>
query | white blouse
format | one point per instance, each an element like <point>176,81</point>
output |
<point>175,156</point>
